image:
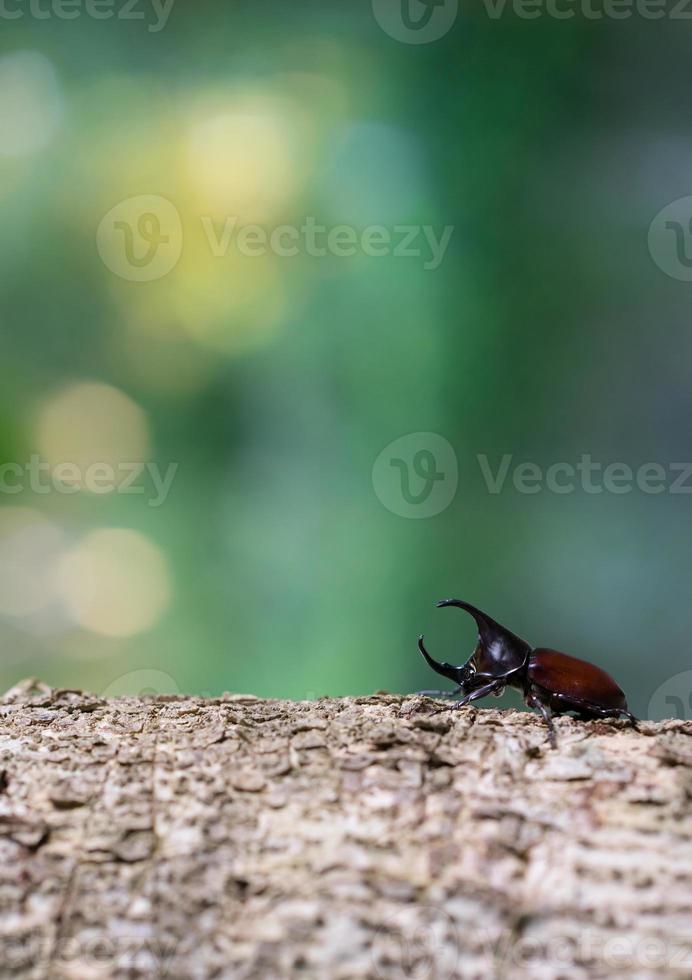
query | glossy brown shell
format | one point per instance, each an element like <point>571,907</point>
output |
<point>559,673</point>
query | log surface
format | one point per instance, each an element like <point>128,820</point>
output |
<point>378,836</point>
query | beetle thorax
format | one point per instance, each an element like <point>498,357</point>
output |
<point>497,659</point>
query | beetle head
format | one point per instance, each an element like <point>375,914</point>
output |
<point>498,651</point>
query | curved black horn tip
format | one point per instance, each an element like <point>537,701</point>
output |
<point>445,602</point>
<point>421,647</point>
<point>447,670</point>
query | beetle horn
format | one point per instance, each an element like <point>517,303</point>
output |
<point>447,670</point>
<point>492,636</point>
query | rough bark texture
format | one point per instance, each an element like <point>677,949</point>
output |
<point>359,837</point>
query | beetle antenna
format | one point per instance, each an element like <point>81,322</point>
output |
<point>447,670</point>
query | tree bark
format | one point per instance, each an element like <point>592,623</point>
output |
<point>378,836</point>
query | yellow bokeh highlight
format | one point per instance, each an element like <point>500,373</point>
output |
<point>115,582</point>
<point>243,159</point>
<point>222,153</point>
<point>90,423</point>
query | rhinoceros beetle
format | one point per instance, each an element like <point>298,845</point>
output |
<point>553,682</point>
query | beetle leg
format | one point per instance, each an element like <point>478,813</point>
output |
<point>591,711</point>
<point>534,701</point>
<point>548,719</point>
<point>481,692</point>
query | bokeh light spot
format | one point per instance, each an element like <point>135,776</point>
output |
<point>30,545</point>
<point>115,582</point>
<point>375,174</point>
<point>241,162</point>
<point>30,103</point>
<point>87,424</point>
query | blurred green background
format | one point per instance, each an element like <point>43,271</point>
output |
<point>280,563</point>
